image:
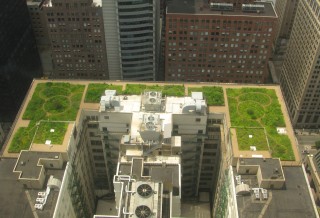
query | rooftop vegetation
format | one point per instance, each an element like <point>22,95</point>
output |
<point>259,107</point>
<point>96,90</point>
<point>50,101</point>
<point>53,131</point>
<point>212,94</point>
<point>167,90</point>
<point>247,137</point>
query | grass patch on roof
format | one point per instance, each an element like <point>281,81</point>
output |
<point>134,89</point>
<point>50,101</point>
<point>168,90</point>
<point>96,90</point>
<point>212,94</point>
<point>54,101</point>
<point>259,107</point>
<point>44,132</point>
<point>247,137</point>
<point>22,138</point>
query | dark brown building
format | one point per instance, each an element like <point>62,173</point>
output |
<point>218,42</point>
<point>70,38</point>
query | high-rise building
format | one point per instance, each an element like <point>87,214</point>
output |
<point>70,38</point>
<point>136,155</point>
<point>219,42</point>
<point>132,32</point>
<point>19,59</point>
<point>286,11</point>
<point>301,68</point>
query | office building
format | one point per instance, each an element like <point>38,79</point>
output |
<point>143,155</point>
<point>286,11</point>
<point>70,38</point>
<point>301,68</point>
<point>312,166</point>
<point>219,42</point>
<point>132,35</point>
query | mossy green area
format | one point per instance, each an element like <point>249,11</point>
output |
<point>259,107</point>
<point>53,131</point>
<point>167,90</point>
<point>212,94</point>
<point>50,102</point>
<point>247,137</point>
<point>96,90</point>
<point>22,138</point>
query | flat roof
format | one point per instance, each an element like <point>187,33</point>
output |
<point>27,163</point>
<point>267,166</point>
<point>95,107</point>
<point>201,7</point>
<point>294,201</point>
<point>13,197</point>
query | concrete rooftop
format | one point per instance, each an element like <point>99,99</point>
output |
<point>202,7</point>
<point>294,201</point>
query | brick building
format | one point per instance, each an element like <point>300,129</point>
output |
<point>214,42</point>
<point>70,38</point>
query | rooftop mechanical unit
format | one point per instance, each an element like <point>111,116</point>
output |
<point>152,100</point>
<point>221,6</point>
<point>143,211</point>
<point>144,190</point>
<point>255,8</point>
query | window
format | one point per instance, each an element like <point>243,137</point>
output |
<point>198,119</point>
<point>91,125</point>
<point>96,142</point>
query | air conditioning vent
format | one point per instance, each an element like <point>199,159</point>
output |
<point>152,100</point>
<point>143,211</point>
<point>151,118</point>
<point>144,190</point>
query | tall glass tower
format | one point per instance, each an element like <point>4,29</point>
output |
<point>132,31</point>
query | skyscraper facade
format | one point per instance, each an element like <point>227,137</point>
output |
<point>219,42</point>
<point>132,33</point>
<point>300,81</point>
<point>71,38</point>
<point>286,11</point>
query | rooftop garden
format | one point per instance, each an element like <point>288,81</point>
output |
<point>212,94</point>
<point>248,137</point>
<point>53,131</point>
<point>96,90</point>
<point>167,90</point>
<point>50,102</point>
<point>259,107</point>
